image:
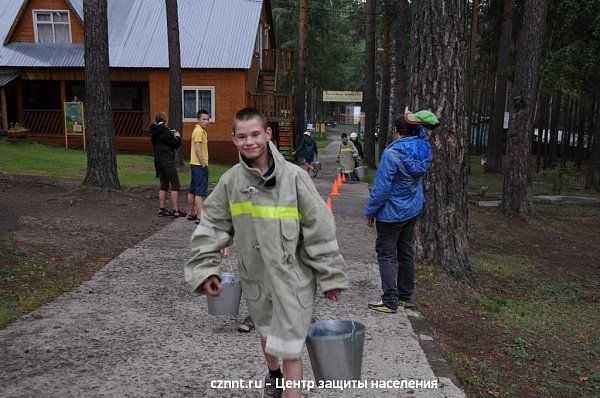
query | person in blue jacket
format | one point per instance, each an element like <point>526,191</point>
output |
<point>395,203</point>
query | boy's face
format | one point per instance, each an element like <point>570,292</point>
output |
<point>203,120</point>
<point>345,140</point>
<point>252,139</point>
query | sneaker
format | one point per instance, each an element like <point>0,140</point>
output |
<point>270,389</point>
<point>162,212</point>
<point>379,306</point>
<point>179,213</point>
<point>405,304</point>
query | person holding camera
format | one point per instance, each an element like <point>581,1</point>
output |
<point>165,141</point>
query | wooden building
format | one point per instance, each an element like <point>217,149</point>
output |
<point>229,55</point>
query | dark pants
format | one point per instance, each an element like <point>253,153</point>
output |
<point>395,240</point>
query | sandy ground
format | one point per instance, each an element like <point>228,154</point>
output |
<point>135,329</point>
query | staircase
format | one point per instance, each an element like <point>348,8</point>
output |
<point>267,81</point>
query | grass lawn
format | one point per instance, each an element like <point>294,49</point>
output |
<point>558,181</point>
<point>43,160</point>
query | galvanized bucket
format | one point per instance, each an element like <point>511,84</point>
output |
<point>361,172</point>
<point>228,303</point>
<point>317,165</point>
<point>335,348</point>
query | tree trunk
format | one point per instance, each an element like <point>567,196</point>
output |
<point>100,135</point>
<point>438,56</point>
<point>385,79</point>
<point>554,126</point>
<point>496,136</point>
<point>564,144</point>
<point>400,55</point>
<point>541,127</point>
<point>517,195</point>
<point>175,112</point>
<point>580,131</point>
<point>301,84</point>
<point>471,79</point>
<point>369,83</point>
<point>593,174</point>
<point>481,106</point>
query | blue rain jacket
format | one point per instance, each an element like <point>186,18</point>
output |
<point>397,194</point>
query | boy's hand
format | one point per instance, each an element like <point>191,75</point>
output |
<point>370,223</point>
<point>212,287</point>
<point>333,294</point>
<point>225,252</point>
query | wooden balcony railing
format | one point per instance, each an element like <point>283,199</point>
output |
<point>130,123</point>
<point>44,121</point>
<point>51,122</point>
<point>272,105</point>
<point>280,60</point>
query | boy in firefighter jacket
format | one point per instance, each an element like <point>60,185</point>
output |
<point>286,241</point>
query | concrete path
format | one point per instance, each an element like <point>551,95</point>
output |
<point>135,329</point>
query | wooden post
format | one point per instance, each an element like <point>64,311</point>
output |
<point>19,87</point>
<point>63,99</point>
<point>4,110</point>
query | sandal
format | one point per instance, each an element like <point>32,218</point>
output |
<point>179,213</point>
<point>162,212</point>
<point>246,326</point>
<point>192,217</point>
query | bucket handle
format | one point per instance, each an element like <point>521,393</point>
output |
<point>342,302</point>
<point>345,305</point>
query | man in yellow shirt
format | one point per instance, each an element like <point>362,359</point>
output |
<point>198,166</point>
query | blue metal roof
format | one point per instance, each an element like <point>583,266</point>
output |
<point>213,34</point>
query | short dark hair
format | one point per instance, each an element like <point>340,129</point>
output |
<point>404,128</point>
<point>344,135</point>
<point>160,117</point>
<point>202,112</point>
<point>249,113</point>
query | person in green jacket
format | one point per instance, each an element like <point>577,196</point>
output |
<point>286,242</point>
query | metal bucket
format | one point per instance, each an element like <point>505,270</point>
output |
<point>317,165</point>
<point>228,303</point>
<point>335,348</point>
<point>361,172</point>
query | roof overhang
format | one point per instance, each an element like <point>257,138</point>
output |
<point>8,75</point>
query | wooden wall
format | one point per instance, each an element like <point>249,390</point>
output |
<point>23,31</point>
<point>230,96</point>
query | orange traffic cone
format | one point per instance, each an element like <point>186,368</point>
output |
<point>334,189</point>
<point>328,204</point>
<point>343,177</point>
<point>339,180</point>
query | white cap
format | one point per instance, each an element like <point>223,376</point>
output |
<point>353,135</point>
<point>307,133</point>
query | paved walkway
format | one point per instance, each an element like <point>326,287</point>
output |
<point>135,329</point>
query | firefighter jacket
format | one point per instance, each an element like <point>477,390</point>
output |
<point>287,247</point>
<point>346,155</point>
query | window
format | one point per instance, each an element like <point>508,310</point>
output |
<point>196,98</point>
<point>52,26</point>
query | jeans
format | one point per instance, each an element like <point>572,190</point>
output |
<point>395,240</point>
